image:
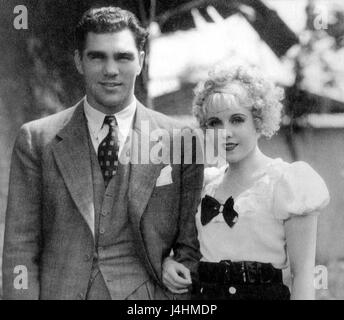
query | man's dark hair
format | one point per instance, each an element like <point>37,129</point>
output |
<point>107,20</point>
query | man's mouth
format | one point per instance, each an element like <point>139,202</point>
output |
<point>230,146</point>
<point>110,84</point>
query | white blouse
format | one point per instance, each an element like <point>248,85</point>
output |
<point>280,191</point>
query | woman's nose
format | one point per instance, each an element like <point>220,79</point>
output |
<point>228,131</point>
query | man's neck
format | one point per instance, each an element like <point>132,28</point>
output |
<point>110,109</point>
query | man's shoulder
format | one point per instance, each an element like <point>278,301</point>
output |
<point>42,131</point>
<point>51,122</point>
<point>161,119</point>
<point>169,123</point>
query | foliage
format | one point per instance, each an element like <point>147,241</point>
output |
<point>319,60</point>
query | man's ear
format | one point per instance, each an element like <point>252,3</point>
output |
<point>141,61</point>
<point>77,61</point>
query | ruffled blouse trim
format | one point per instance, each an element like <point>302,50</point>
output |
<point>282,188</point>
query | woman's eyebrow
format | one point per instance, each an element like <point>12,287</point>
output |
<point>239,114</point>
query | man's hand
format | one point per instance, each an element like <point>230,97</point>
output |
<point>175,276</point>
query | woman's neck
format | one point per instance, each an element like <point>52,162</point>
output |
<point>245,169</point>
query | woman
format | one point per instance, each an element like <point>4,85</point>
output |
<point>257,214</point>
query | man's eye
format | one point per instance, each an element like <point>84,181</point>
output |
<point>125,58</point>
<point>95,57</point>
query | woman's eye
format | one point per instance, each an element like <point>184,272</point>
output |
<point>212,123</point>
<point>238,120</point>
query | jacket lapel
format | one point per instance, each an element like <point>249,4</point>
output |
<point>143,175</point>
<point>73,159</point>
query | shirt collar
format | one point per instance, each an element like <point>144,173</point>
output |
<point>95,118</point>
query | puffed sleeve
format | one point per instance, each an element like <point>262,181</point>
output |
<point>299,190</point>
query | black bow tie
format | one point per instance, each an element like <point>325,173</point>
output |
<point>210,208</point>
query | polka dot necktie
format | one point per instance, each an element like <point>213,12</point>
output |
<point>108,150</point>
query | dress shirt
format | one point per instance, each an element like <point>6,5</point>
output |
<point>98,131</point>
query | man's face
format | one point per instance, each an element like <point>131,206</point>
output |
<point>110,64</point>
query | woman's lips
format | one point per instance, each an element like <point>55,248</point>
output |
<point>230,146</point>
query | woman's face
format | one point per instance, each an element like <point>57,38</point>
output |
<point>236,121</point>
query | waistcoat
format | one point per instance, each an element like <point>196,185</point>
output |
<point>116,255</point>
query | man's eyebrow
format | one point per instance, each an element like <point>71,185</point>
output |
<point>128,54</point>
<point>95,53</point>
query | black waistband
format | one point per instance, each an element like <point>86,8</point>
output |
<point>228,272</point>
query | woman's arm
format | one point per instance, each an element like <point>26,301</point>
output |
<point>301,246</point>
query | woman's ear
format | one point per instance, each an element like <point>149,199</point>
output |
<point>258,132</point>
<point>257,124</point>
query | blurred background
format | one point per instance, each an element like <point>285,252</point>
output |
<point>297,43</point>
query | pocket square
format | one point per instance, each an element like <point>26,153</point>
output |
<point>165,176</point>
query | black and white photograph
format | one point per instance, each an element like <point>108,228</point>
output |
<point>189,151</point>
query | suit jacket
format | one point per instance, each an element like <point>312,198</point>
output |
<point>50,214</point>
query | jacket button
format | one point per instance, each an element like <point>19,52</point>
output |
<point>232,290</point>
<point>102,231</point>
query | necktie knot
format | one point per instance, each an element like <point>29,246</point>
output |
<point>110,121</point>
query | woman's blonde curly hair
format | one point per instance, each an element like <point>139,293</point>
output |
<point>263,96</point>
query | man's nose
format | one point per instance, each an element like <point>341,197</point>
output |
<point>110,68</point>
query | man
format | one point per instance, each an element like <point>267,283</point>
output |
<point>83,222</point>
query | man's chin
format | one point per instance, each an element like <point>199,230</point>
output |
<point>111,103</point>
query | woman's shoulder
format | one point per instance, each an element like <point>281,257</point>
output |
<point>298,189</point>
<point>294,172</point>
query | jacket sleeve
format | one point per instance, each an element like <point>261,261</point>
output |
<point>186,248</point>
<point>23,222</point>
